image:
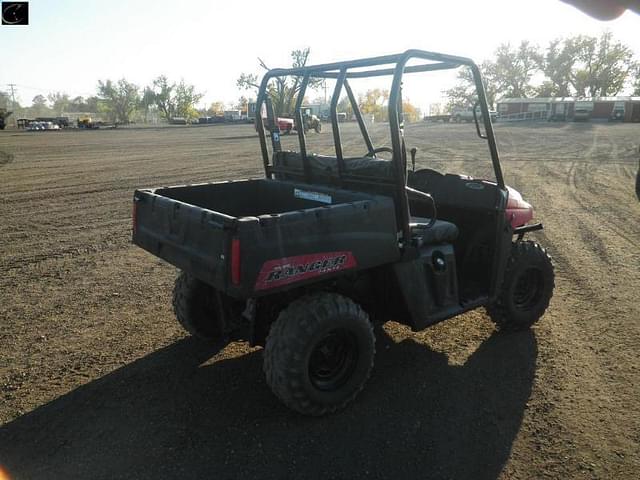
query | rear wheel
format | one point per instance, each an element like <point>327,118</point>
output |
<point>195,306</point>
<point>319,353</point>
<point>318,127</point>
<point>527,288</point>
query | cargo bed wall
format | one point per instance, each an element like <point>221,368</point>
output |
<point>284,232</point>
<point>253,198</point>
<point>186,236</point>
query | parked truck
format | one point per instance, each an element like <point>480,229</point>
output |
<point>466,114</point>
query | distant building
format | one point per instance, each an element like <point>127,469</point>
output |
<point>233,115</point>
<point>251,110</point>
<point>620,108</point>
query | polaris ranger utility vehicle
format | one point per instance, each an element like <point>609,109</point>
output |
<point>304,261</point>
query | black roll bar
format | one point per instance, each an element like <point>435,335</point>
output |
<point>300,128</point>
<point>396,145</point>
<point>359,118</point>
<point>335,127</point>
<point>342,71</point>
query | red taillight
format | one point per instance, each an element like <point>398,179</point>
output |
<point>235,261</point>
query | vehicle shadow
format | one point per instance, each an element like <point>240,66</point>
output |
<point>174,414</point>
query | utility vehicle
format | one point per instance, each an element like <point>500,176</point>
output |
<point>307,259</point>
<point>311,122</point>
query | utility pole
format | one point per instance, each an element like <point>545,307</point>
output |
<point>13,102</point>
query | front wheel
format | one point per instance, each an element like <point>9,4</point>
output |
<point>318,127</point>
<point>527,288</point>
<point>319,353</point>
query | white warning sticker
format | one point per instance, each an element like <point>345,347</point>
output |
<point>316,196</point>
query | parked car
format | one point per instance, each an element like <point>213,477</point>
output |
<point>466,115</point>
<point>581,115</point>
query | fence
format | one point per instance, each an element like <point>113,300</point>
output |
<point>541,115</point>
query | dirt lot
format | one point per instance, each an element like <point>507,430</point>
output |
<point>98,381</point>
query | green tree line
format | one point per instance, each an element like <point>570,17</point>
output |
<point>120,101</point>
<point>581,65</point>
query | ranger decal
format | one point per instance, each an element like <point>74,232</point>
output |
<point>284,271</point>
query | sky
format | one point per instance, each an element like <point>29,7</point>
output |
<point>70,45</point>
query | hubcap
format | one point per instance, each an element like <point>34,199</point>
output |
<point>333,360</point>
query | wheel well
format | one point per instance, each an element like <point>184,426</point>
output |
<point>364,288</point>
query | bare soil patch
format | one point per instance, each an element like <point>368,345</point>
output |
<point>97,380</point>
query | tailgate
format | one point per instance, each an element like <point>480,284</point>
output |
<point>191,238</point>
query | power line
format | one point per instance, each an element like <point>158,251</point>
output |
<point>13,100</point>
<point>13,96</point>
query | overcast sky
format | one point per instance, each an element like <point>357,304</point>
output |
<point>71,44</point>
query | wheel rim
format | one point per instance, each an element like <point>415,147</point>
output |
<point>333,360</point>
<point>528,289</point>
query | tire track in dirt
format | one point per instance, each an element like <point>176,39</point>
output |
<point>5,158</point>
<point>582,173</point>
<point>587,319</point>
<point>81,302</point>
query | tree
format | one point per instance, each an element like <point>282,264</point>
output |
<point>464,94</point>
<point>509,75</point>
<point>175,100</point>
<point>119,99</point>
<point>636,82</point>
<point>513,69</point>
<point>410,112</point>
<point>186,100</point>
<point>242,104</point>
<point>163,95</point>
<point>605,65</point>
<point>59,102</point>
<point>216,108</point>
<point>80,104</point>
<point>557,63</point>
<point>91,104</point>
<point>374,102</point>
<point>586,66</point>
<point>147,101</point>
<point>39,101</point>
<point>344,106</point>
<point>283,91</point>
<point>39,107</point>
<point>5,100</point>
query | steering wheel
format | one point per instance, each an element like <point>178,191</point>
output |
<point>373,152</point>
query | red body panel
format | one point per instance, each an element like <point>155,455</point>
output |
<point>285,124</point>
<point>518,211</point>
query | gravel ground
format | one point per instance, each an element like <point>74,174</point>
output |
<point>98,381</point>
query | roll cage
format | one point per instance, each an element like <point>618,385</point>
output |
<point>342,72</point>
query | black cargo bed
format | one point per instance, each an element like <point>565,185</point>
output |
<point>235,235</point>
